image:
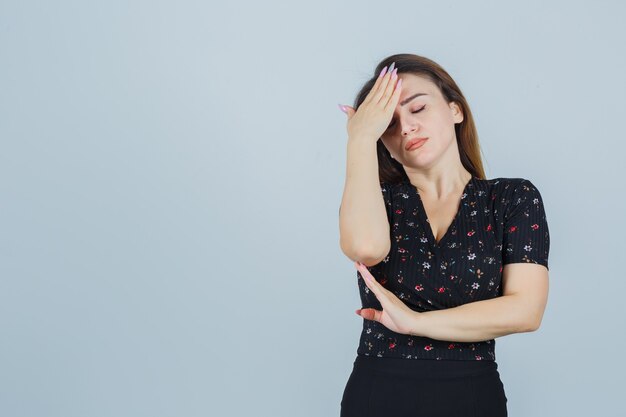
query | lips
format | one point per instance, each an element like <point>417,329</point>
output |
<point>418,141</point>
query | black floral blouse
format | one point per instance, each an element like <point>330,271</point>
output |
<point>499,221</point>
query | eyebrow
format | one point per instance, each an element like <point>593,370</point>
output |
<point>412,97</point>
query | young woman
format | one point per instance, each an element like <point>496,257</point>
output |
<point>446,259</point>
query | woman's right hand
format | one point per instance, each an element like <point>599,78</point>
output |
<point>373,116</point>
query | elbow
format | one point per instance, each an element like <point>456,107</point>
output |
<point>535,325</point>
<point>369,256</point>
<point>535,321</point>
<point>531,327</point>
<point>373,257</point>
<point>532,324</point>
<point>371,260</point>
<point>527,315</point>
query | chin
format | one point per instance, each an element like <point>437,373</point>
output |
<point>422,161</point>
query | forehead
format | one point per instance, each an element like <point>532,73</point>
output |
<point>413,84</point>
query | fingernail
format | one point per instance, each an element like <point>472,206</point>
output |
<point>393,65</point>
<point>342,108</point>
<point>394,74</point>
<point>383,72</point>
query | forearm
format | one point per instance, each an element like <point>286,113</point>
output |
<point>363,224</point>
<point>474,322</point>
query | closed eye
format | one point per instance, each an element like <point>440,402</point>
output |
<point>416,111</point>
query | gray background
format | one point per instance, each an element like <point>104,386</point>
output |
<point>171,172</point>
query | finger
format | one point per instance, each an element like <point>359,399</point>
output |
<point>395,97</point>
<point>379,291</point>
<point>365,272</point>
<point>377,85</point>
<point>385,85</point>
<point>389,90</point>
<point>370,314</point>
<point>349,111</point>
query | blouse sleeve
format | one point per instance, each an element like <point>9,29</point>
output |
<point>526,234</point>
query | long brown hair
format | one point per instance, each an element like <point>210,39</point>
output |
<point>390,170</point>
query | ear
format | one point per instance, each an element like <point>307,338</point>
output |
<point>457,113</point>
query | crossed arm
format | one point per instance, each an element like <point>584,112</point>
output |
<point>519,309</point>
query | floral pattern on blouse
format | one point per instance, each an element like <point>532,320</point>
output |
<point>499,221</point>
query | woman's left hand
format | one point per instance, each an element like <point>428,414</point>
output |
<point>395,315</point>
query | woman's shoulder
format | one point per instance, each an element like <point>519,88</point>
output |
<point>512,191</point>
<point>507,184</point>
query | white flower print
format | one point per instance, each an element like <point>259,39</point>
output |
<point>498,221</point>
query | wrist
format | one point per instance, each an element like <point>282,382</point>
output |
<point>360,139</point>
<point>417,324</point>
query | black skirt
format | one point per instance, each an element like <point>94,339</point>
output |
<point>396,387</point>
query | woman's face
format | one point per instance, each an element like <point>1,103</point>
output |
<point>421,112</point>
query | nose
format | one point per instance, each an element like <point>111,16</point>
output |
<point>408,131</point>
<point>408,126</point>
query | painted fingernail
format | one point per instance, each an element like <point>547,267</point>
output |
<point>394,74</point>
<point>383,72</point>
<point>393,65</point>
